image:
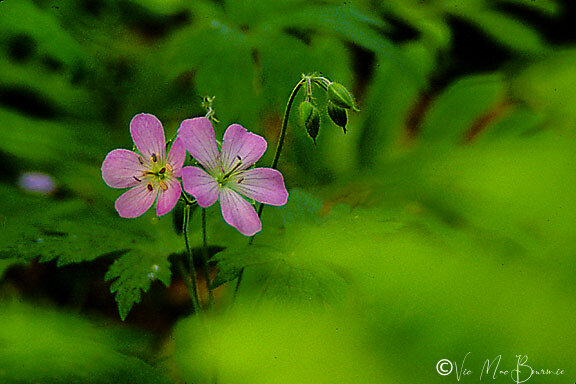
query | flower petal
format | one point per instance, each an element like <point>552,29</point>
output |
<point>239,213</point>
<point>200,185</point>
<point>199,139</point>
<point>176,157</point>
<point>136,201</point>
<point>148,135</point>
<point>265,185</point>
<point>168,198</point>
<point>241,145</point>
<point>120,167</point>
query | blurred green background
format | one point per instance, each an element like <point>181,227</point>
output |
<point>443,223</point>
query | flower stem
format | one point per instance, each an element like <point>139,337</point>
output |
<point>193,288</point>
<point>206,265</point>
<point>279,145</point>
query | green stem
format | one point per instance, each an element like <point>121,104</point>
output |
<point>206,265</point>
<point>194,286</point>
<point>279,145</point>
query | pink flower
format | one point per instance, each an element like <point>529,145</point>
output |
<point>226,175</point>
<point>150,173</point>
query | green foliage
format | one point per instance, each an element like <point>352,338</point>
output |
<point>286,345</point>
<point>232,260</point>
<point>548,86</point>
<point>430,18</point>
<point>291,269</point>
<point>73,233</point>
<point>447,216</point>
<point>45,346</point>
<point>133,273</point>
<point>455,110</point>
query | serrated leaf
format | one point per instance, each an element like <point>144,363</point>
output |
<point>298,266</point>
<point>66,242</point>
<point>133,273</point>
<point>232,260</point>
<point>73,232</point>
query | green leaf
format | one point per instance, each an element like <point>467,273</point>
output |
<point>546,7</point>
<point>301,209</point>
<point>67,242</point>
<point>24,17</point>
<point>303,264</point>
<point>133,273</point>
<point>232,260</point>
<point>549,86</point>
<point>73,231</point>
<point>389,99</point>
<point>44,346</point>
<point>510,32</point>
<point>280,344</point>
<point>347,22</point>
<point>453,112</point>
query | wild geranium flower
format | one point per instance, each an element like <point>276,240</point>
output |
<point>149,172</point>
<point>227,175</point>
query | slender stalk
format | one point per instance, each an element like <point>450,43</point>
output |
<point>205,260</point>
<point>193,281</point>
<point>279,145</point>
<point>189,284</point>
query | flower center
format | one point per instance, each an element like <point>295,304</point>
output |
<point>225,177</point>
<point>156,175</point>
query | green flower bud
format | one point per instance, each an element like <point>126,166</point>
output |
<point>340,96</point>
<point>338,115</point>
<point>309,118</point>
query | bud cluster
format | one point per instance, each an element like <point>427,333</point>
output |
<point>340,100</point>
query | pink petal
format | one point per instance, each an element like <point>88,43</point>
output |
<point>168,198</point>
<point>148,135</point>
<point>241,145</point>
<point>176,157</point>
<point>199,139</point>
<point>239,213</point>
<point>120,167</point>
<point>200,185</point>
<point>136,201</point>
<point>265,185</point>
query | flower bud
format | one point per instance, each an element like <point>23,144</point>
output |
<point>340,96</point>
<point>309,118</point>
<point>338,115</point>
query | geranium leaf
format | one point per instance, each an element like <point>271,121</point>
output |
<point>133,273</point>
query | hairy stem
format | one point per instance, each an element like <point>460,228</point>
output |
<point>279,145</point>
<point>193,281</point>
<point>205,263</point>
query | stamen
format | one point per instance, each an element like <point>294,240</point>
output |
<point>238,164</point>
<point>162,171</point>
<point>140,160</point>
<point>137,179</point>
<point>163,186</point>
<point>241,180</point>
<point>150,187</point>
<point>154,157</point>
<point>239,158</point>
